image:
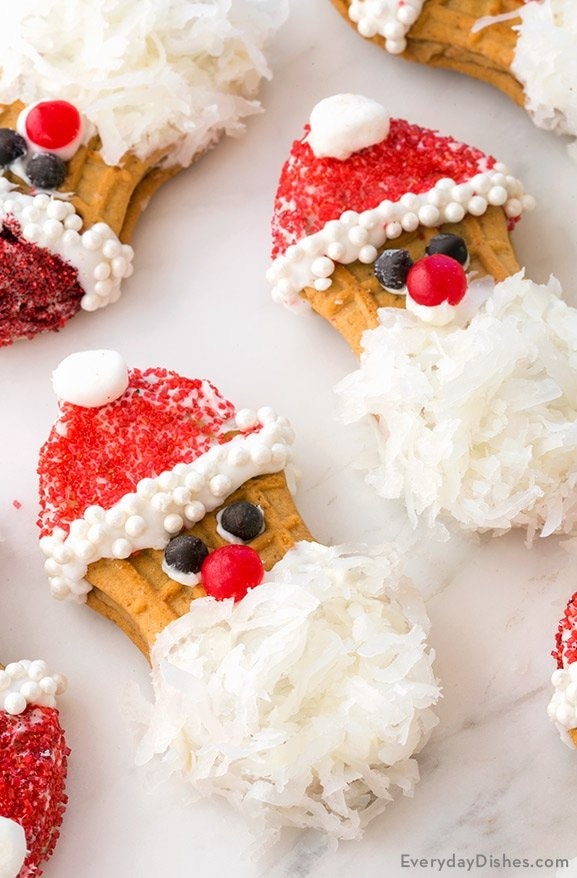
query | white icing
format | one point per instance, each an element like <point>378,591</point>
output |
<point>90,378</point>
<point>190,579</point>
<point>544,63</point>
<point>562,708</point>
<point>101,261</point>
<point>151,75</point>
<point>390,19</point>
<point>434,315</point>
<point>358,236</point>
<point>64,152</point>
<point>302,704</point>
<point>28,682</point>
<point>13,848</point>
<point>346,123</point>
<point>160,507</point>
<point>476,421</point>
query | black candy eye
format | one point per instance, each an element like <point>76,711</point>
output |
<point>449,245</point>
<point>243,520</point>
<point>185,553</point>
<point>46,171</point>
<point>391,270</point>
<point>12,146</point>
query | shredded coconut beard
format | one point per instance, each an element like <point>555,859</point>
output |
<point>303,703</point>
<point>149,74</point>
<point>476,422</point>
<point>544,63</point>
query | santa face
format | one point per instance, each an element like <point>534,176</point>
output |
<point>205,554</point>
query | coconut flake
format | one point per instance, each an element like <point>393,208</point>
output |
<point>544,63</point>
<point>149,74</point>
<point>475,421</point>
<point>304,703</point>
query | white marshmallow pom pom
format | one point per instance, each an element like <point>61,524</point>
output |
<point>343,124</point>
<point>304,703</point>
<point>90,378</point>
<point>475,421</point>
<point>13,848</point>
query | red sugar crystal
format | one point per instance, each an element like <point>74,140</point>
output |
<point>38,291</point>
<point>313,191</point>
<point>565,652</point>
<point>33,763</point>
<point>96,455</point>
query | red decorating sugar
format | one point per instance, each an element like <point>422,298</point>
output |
<point>38,291</point>
<point>565,651</point>
<point>96,455</point>
<point>17,504</point>
<point>313,191</point>
<point>33,763</point>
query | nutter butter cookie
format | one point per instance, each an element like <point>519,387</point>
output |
<point>290,678</point>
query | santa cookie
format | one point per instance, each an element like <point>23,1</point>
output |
<point>523,47</point>
<point>358,182</point>
<point>33,762</point>
<point>290,678</point>
<point>95,115</point>
<point>462,378</point>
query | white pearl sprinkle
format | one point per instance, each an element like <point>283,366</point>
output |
<point>37,670</point>
<point>14,703</point>
<point>173,523</point>
<point>91,240</point>
<point>30,691</point>
<point>322,267</point>
<point>367,254</point>
<point>220,485</point>
<point>195,511</point>
<point>48,685</point>
<point>121,549</point>
<point>477,205</point>
<point>135,526</point>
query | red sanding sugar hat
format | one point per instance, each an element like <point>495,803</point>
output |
<point>357,178</point>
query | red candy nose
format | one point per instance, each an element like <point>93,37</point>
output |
<point>52,125</point>
<point>230,571</point>
<point>436,279</point>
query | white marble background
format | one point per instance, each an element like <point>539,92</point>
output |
<point>495,778</point>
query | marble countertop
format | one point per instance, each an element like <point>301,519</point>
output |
<point>495,778</point>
